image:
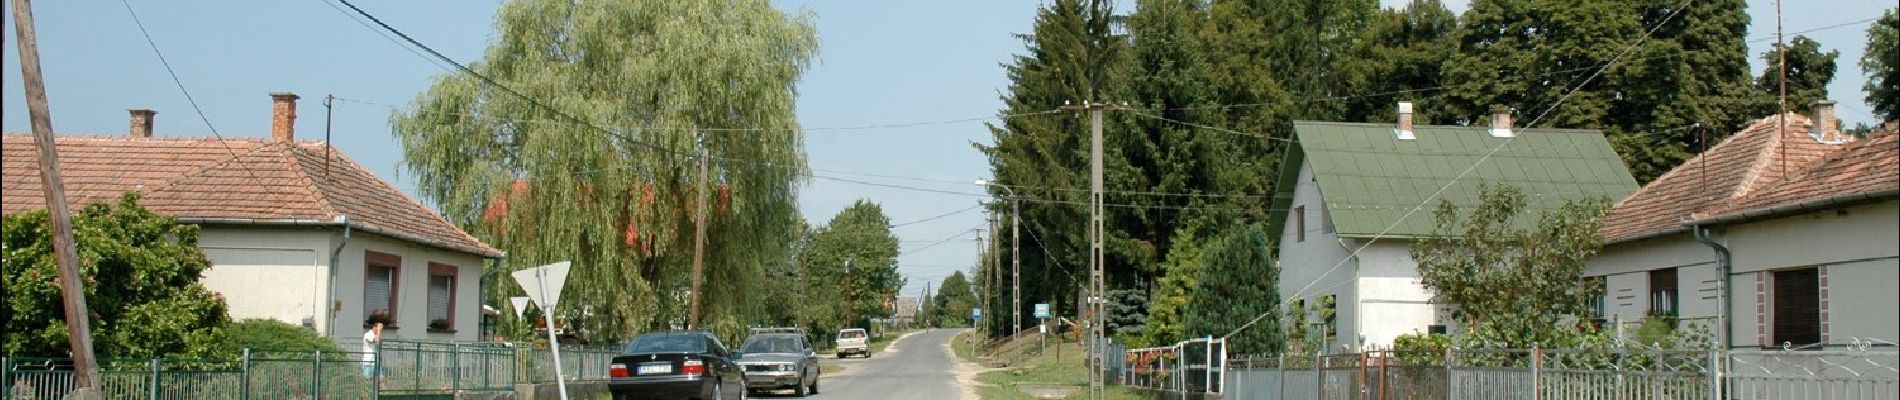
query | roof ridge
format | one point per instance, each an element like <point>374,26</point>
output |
<point>410,201</point>
<point>317,193</point>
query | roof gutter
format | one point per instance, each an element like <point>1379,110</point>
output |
<point>1723,259</point>
<point>1797,207</point>
<point>341,220</point>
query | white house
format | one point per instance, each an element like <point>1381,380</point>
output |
<point>1797,228</point>
<point>1352,196</point>
<point>295,231</point>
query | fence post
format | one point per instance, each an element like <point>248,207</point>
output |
<point>154,382</point>
<point>1451,383</point>
<point>244,375</point>
<point>1319,376</point>
<point>1362,376</point>
<point>1715,374</point>
<point>1537,378</point>
<point>1281,365</point>
<point>316,376</point>
<point>455,357</point>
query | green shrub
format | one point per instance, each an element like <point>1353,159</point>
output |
<point>274,335</point>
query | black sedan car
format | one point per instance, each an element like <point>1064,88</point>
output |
<point>677,365</point>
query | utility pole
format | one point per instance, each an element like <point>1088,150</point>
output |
<point>847,293</point>
<point>1016,264</point>
<point>699,241</point>
<point>72,286</point>
<point>1097,380</point>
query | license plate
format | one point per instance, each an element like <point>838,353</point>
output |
<point>655,369</point>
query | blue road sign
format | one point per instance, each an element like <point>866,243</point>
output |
<point>976,314</point>
<point>1042,310</point>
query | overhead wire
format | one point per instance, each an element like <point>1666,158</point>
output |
<point>934,218</point>
<point>180,84</point>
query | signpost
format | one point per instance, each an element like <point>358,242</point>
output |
<point>543,285</point>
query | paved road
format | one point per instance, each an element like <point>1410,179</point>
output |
<point>918,368</point>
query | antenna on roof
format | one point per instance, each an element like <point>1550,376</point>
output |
<point>1781,130</point>
<point>327,113</point>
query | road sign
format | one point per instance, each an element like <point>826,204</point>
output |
<point>543,285</point>
<point>520,303</point>
<point>976,314</point>
<point>1042,310</point>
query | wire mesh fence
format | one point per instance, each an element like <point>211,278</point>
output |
<point>1561,374</point>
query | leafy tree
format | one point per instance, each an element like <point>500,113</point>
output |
<point>950,308</point>
<point>1239,283</point>
<point>1809,72</point>
<point>860,235</point>
<point>1881,62</point>
<point>1511,284</point>
<point>609,180</point>
<point>1403,57</point>
<point>259,334</point>
<point>1638,69</point>
<point>141,269</point>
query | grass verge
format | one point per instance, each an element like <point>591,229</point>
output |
<point>1057,364</point>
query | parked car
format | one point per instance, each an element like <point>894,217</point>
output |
<point>853,341</point>
<point>677,365</point>
<point>777,361</point>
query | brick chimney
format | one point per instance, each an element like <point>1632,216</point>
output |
<point>141,123</point>
<point>1501,122</point>
<point>283,117</point>
<point>1822,126</point>
<point>1404,130</point>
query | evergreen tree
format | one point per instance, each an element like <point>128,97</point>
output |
<point>1174,291</point>
<point>655,75</point>
<point>1404,52</point>
<point>1809,72</point>
<point>1882,65</point>
<point>1239,283</point>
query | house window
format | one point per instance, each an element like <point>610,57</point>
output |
<point>441,296</point>
<point>380,283</point>
<point>1797,307</point>
<point>1299,224</point>
<point>1663,294</point>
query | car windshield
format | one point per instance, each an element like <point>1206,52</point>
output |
<point>668,343</point>
<point>773,345</point>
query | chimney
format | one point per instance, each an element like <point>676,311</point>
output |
<point>1501,122</point>
<point>283,117</point>
<point>1404,130</point>
<point>141,123</point>
<point>1822,126</point>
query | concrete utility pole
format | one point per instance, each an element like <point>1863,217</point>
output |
<point>699,242</point>
<point>72,286</point>
<point>1015,256</point>
<point>847,293</point>
<point>1097,380</point>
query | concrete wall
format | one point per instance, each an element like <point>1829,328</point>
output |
<point>283,273</point>
<point>265,272</point>
<point>1855,248</point>
<point>1856,251</point>
<point>412,297</point>
<point>1391,301</point>
<point>1309,264</point>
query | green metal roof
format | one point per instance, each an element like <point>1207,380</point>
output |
<point>1369,178</point>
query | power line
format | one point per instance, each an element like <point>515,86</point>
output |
<point>979,205</point>
<point>235,157</point>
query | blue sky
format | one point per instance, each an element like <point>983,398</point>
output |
<point>880,62</point>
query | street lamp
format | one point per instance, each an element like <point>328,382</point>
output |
<point>1015,255</point>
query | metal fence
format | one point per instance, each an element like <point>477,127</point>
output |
<point>398,368</point>
<point>1196,365</point>
<point>1569,374</point>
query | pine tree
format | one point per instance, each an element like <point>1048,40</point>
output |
<point>1239,283</point>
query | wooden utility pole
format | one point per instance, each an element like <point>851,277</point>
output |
<point>699,242</point>
<point>72,286</point>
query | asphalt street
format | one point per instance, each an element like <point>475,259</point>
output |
<point>918,367</point>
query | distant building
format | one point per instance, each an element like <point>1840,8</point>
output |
<point>1343,185</point>
<point>904,311</point>
<point>1797,230</point>
<point>294,231</point>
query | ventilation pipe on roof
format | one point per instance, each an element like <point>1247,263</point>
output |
<point>1822,127</point>
<point>1501,122</point>
<point>141,123</point>
<point>1404,130</point>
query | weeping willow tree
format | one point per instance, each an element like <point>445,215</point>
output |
<point>596,160</point>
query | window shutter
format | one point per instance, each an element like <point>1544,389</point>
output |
<point>440,290</point>
<point>376,285</point>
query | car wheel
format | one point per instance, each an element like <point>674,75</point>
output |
<point>814,386</point>
<point>801,390</point>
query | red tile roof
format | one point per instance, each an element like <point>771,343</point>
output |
<point>1863,170</point>
<point>235,180</point>
<point>1738,167</point>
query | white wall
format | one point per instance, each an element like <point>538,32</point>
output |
<point>1860,249</point>
<point>265,272</point>
<point>1392,300</point>
<point>412,297</point>
<point>1310,264</point>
